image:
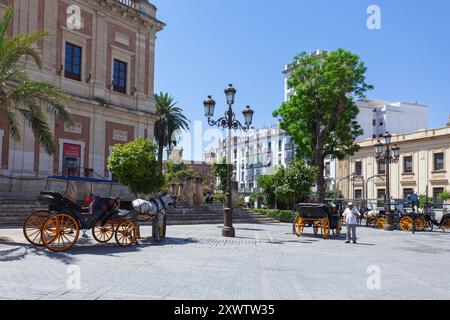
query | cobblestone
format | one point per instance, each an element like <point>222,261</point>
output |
<point>264,261</point>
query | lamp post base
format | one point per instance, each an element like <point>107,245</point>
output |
<point>228,230</point>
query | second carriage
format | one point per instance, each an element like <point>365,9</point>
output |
<point>323,217</point>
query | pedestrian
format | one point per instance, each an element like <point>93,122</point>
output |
<point>350,216</point>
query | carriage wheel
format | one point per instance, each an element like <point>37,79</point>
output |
<point>445,226</point>
<point>380,223</point>
<point>60,232</point>
<point>339,229</point>
<point>430,225</point>
<point>105,233</point>
<point>32,227</point>
<point>420,224</point>
<point>126,233</point>
<point>325,227</point>
<point>298,226</point>
<point>406,223</point>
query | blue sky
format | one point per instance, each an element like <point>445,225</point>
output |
<point>210,43</point>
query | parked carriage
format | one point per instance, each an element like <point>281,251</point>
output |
<point>325,218</point>
<point>58,228</point>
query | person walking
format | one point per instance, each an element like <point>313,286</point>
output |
<point>350,216</point>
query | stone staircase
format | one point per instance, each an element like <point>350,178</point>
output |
<point>213,214</point>
<point>14,212</point>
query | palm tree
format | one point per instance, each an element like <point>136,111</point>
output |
<point>170,120</point>
<point>19,95</point>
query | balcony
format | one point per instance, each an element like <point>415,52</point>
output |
<point>143,6</point>
<point>289,146</point>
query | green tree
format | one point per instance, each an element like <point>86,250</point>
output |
<point>135,165</point>
<point>295,185</point>
<point>19,95</point>
<point>220,171</point>
<point>170,120</point>
<point>177,172</point>
<point>321,114</point>
<point>444,196</point>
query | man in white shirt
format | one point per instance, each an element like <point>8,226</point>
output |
<point>350,216</point>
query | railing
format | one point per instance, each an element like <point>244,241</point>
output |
<point>130,3</point>
<point>289,146</point>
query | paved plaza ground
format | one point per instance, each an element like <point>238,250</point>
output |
<point>264,261</point>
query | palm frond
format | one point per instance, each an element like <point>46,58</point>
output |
<point>33,93</point>
<point>4,23</point>
<point>13,125</point>
<point>37,120</point>
<point>12,49</point>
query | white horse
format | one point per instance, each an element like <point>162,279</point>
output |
<point>155,209</point>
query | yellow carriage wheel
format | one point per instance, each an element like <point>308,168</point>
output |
<point>445,226</point>
<point>105,233</point>
<point>32,227</point>
<point>325,227</point>
<point>298,226</point>
<point>126,233</point>
<point>60,232</point>
<point>420,224</point>
<point>381,222</point>
<point>406,223</point>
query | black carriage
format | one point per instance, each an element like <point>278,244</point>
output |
<point>321,217</point>
<point>58,227</point>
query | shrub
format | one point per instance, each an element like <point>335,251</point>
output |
<point>287,216</point>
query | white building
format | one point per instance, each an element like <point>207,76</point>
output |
<point>255,153</point>
<point>376,118</point>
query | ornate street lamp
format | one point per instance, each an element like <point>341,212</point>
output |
<point>228,122</point>
<point>384,152</point>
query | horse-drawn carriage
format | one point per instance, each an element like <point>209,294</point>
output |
<point>321,217</point>
<point>58,228</point>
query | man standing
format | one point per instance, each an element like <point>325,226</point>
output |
<point>350,216</point>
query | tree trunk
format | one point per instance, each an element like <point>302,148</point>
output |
<point>320,180</point>
<point>160,154</point>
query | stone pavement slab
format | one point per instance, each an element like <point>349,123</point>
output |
<point>264,261</point>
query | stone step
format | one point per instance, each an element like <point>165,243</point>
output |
<point>218,221</point>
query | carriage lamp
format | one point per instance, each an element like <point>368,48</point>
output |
<point>228,121</point>
<point>384,152</point>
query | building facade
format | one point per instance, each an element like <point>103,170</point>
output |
<point>255,153</point>
<point>104,61</point>
<point>423,167</point>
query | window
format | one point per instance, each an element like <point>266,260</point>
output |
<point>439,161</point>
<point>358,194</point>
<point>358,168</point>
<point>407,192</point>
<point>374,122</point>
<point>408,164</point>
<point>327,169</point>
<point>381,123</point>
<point>382,167</point>
<point>279,145</point>
<point>72,67</point>
<point>436,192</point>
<point>120,76</point>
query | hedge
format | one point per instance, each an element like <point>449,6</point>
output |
<point>280,215</point>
